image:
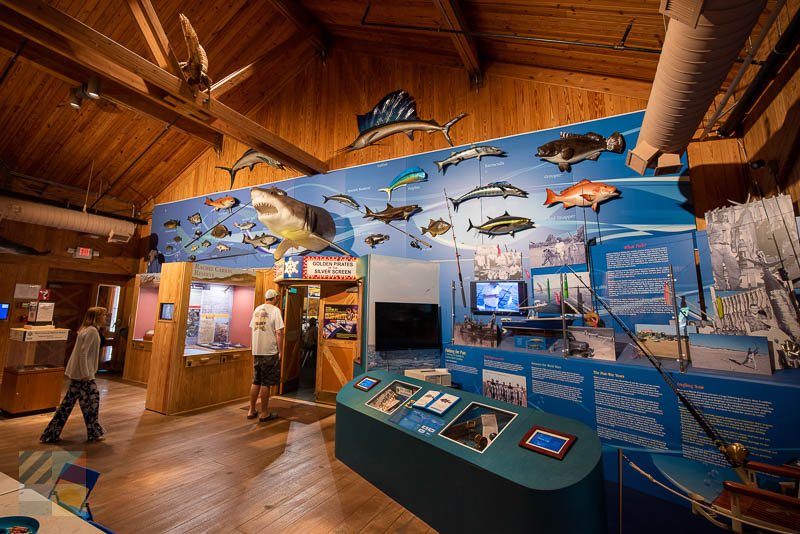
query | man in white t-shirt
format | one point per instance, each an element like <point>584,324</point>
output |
<point>267,327</point>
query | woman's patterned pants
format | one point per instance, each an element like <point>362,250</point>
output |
<point>88,396</point>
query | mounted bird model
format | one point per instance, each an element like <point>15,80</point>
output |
<point>195,69</point>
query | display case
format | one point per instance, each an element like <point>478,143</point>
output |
<point>143,323</point>
<point>201,344</point>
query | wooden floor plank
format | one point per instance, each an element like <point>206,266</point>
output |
<point>212,470</point>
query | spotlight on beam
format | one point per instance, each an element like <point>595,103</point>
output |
<point>75,98</point>
<point>92,88</point>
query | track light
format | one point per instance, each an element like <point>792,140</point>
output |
<point>92,88</point>
<point>74,98</point>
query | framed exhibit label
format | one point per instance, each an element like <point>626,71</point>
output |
<point>477,426</point>
<point>166,311</point>
<point>366,383</point>
<point>548,442</point>
<point>392,396</point>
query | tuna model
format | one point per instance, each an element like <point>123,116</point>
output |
<point>472,152</point>
<point>249,160</point>
<point>223,203</point>
<point>408,176</point>
<point>502,225</point>
<point>375,239</point>
<point>391,213</point>
<point>347,200</point>
<point>437,227</point>
<point>395,113</point>
<point>261,240</point>
<point>494,189</point>
<point>572,148</point>
<point>300,225</point>
<point>584,193</point>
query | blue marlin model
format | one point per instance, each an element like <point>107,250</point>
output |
<point>249,160</point>
<point>408,176</point>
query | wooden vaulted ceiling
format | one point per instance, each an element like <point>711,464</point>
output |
<point>255,46</point>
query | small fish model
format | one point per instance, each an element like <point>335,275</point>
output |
<point>192,257</point>
<point>472,152</point>
<point>375,239</point>
<point>194,248</point>
<point>584,193</point>
<point>172,223</point>
<point>262,240</point>
<point>300,225</point>
<point>244,226</point>
<point>222,248</point>
<point>343,199</point>
<point>206,243</point>
<point>169,248</point>
<point>502,225</point>
<point>10,247</point>
<point>408,176</point>
<point>494,189</point>
<point>415,244</point>
<point>437,227</point>
<point>572,148</point>
<point>391,213</point>
<point>195,219</point>
<point>198,232</point>
<point>177,239</point>
<point>395,113</point>
<point>224,203</point>
<point>220,231</point>
<point>250,159</point>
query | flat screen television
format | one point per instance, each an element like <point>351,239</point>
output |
<point>502,297</point>
<point>4,307</point>
<point>403,325</point>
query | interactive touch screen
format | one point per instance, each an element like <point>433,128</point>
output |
<point>546,441</point>
<point>501,298</point>
<point>4,307</point>
<point>366,383</point>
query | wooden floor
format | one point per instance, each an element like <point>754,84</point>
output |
<point>213,471</point>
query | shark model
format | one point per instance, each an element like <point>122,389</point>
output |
<point>300,225</point>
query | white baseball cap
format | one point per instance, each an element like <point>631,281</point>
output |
<point>270,294</point>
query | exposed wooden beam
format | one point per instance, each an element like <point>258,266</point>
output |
<point>578,80</point>
<point>154,35</point>
<point>304,21</point>
<point>71,39</point>
<point>465,46</point>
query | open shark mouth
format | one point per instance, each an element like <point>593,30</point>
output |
<point>265,208</point>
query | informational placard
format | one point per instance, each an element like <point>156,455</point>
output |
<point>340,321</point>
<point>209,317</point>
<point>329,268</point>
<point>417,421</point>
<point>50,334</point>
<point>26,291</point>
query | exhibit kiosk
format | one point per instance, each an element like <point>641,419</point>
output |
<point>201,343</point>
<point>142,324</point>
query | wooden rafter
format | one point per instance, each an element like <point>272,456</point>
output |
<point>465,46</point>
<point>305,22</point>
<point>154,35</point>
<point>66,37</point>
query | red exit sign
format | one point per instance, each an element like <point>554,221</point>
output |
<point>82,252</point>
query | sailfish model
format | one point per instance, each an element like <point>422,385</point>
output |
<point>395,113</point>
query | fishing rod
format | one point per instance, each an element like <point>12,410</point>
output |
<point>455,246</point>
<point>224,257</point>
<point>735,453</point>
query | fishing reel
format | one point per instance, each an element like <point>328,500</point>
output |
<point>591,319</point>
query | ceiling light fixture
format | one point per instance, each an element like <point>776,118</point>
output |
<point>74,98</point>
<point>90,89</point>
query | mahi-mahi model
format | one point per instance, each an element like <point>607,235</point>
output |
<point>395,113</point>
<point>502,225</point>
<point>392,214</point>
<point>572,148</point>
<point>472,152</point>
<point>300,225</point>
<point>494,189</point>
<point>408,176</point>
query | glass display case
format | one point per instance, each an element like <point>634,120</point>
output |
<point>477,426</point>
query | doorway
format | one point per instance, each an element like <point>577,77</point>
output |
<point>108,298</point>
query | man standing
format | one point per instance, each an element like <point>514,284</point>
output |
<point>267,326</point>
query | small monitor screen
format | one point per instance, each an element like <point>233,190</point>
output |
<point>4,307</point>
<point>501,297</point>
<point>547,441</point>
<point>167,310</point>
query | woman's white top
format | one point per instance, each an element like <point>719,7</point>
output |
<point>85,355</point>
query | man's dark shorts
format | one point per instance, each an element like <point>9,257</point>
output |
<point>266,370</point>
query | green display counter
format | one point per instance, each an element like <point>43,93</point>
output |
<point>457,487</point>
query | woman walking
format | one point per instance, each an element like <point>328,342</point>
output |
<point>81,369</point>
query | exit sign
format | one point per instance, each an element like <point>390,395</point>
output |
<point>82,252</point>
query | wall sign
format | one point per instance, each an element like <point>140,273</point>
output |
<point>329,268</point>
<point>340,321</point>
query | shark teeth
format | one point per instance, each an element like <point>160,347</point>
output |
<point>266,208</point>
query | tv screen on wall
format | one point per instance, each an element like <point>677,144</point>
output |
<point>403,325</point>
<point>502,297</point>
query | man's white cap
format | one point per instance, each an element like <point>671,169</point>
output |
<point>270,294</point>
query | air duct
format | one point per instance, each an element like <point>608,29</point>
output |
<point>115,230</point>
<point>693,64</point>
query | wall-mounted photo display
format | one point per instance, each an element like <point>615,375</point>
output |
<point>495,263</point>
<point>740,354</point>
<point>477,426</point>
<point>392,396</point>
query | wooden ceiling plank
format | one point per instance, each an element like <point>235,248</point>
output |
<point>154,35</point>
<point>465,46</point>
<point>110,59</point>
<point>305,22</point>
<point>580,80</point>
